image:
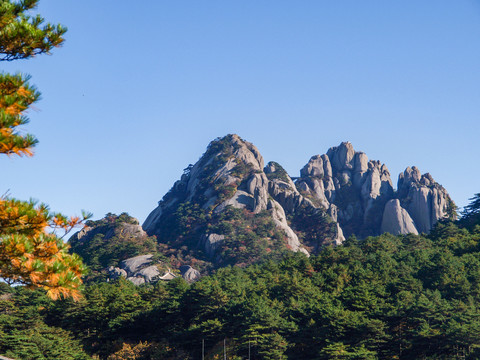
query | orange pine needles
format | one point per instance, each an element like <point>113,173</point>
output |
<point>31,256</point>
<point>16,95</point>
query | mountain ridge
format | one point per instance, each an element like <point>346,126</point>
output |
<point>338,194</point>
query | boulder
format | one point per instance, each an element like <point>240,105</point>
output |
<point>189,273</point>
<point>134,264</point>
<point>212,242</point>
<point>150,273</point>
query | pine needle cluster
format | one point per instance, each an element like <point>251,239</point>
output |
<point>31,253</point>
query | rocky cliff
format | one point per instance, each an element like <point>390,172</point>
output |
<point>358,193</point>
<point>229,208</point>
<point>235,215</point>
<point>350,187</point>
<point>338,194</point>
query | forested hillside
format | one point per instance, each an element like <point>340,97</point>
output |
<point>385,297</point>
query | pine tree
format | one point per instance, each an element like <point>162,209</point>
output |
<point>471,212</point>
<point>23,36</point>
<point>29,254</point>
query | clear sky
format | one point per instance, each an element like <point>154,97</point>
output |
<point>141,87</point>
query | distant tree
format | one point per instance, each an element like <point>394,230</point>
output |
<point>29,254</point>
<point>471,212</point>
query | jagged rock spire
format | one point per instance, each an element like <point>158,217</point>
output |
<point>339,192</point>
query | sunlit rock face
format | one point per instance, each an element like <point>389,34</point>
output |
<point>358,193</point>
<point>426,201</point>
<point>337,194</point>
<point>358,188</point>
<point>396,219</point>
<point>229,175</point>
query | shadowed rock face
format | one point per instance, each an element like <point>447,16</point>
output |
<point>288,198</point>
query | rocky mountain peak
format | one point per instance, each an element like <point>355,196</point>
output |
<point>345,183</point>
<point>229,195</point>
<point>342,156</point>
<point>426,201</point>
<point>229,175</point>
<point>230,172</point>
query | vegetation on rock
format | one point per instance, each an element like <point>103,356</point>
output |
<point>108,241</point>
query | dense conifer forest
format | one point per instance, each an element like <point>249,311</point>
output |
<point>384,297</point>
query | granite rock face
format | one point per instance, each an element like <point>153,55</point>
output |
<point>280,220</point>
<point>338,194</point>
<point>212,242</point>
<point>134,264</point>
<point>229,175</point>
<point>137,269</point>
<point>358,188</point>
<point>189,273</point>
<point>141,270</point>
<point>426,201</point>
<point>358,193</point>
<point>287,197</point>
<point>282,188</point>
<point>396,219</point>
<point>231,164</point>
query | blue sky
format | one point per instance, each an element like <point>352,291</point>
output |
<point>140,88</point>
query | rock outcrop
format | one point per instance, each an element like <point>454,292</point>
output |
<point>139,270</point>
<point>115,237</point>
<point>229,175</point>
<point>346,180</point>
<point>338,194</point>
<point>425,200</point>
<point>288,200</point>
<point>282,188</point>
<point>189,274</point>
<point>396,219</point>
<point>212,243</point>
<point>359,195</point>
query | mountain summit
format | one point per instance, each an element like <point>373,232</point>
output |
<point>229,208</point>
